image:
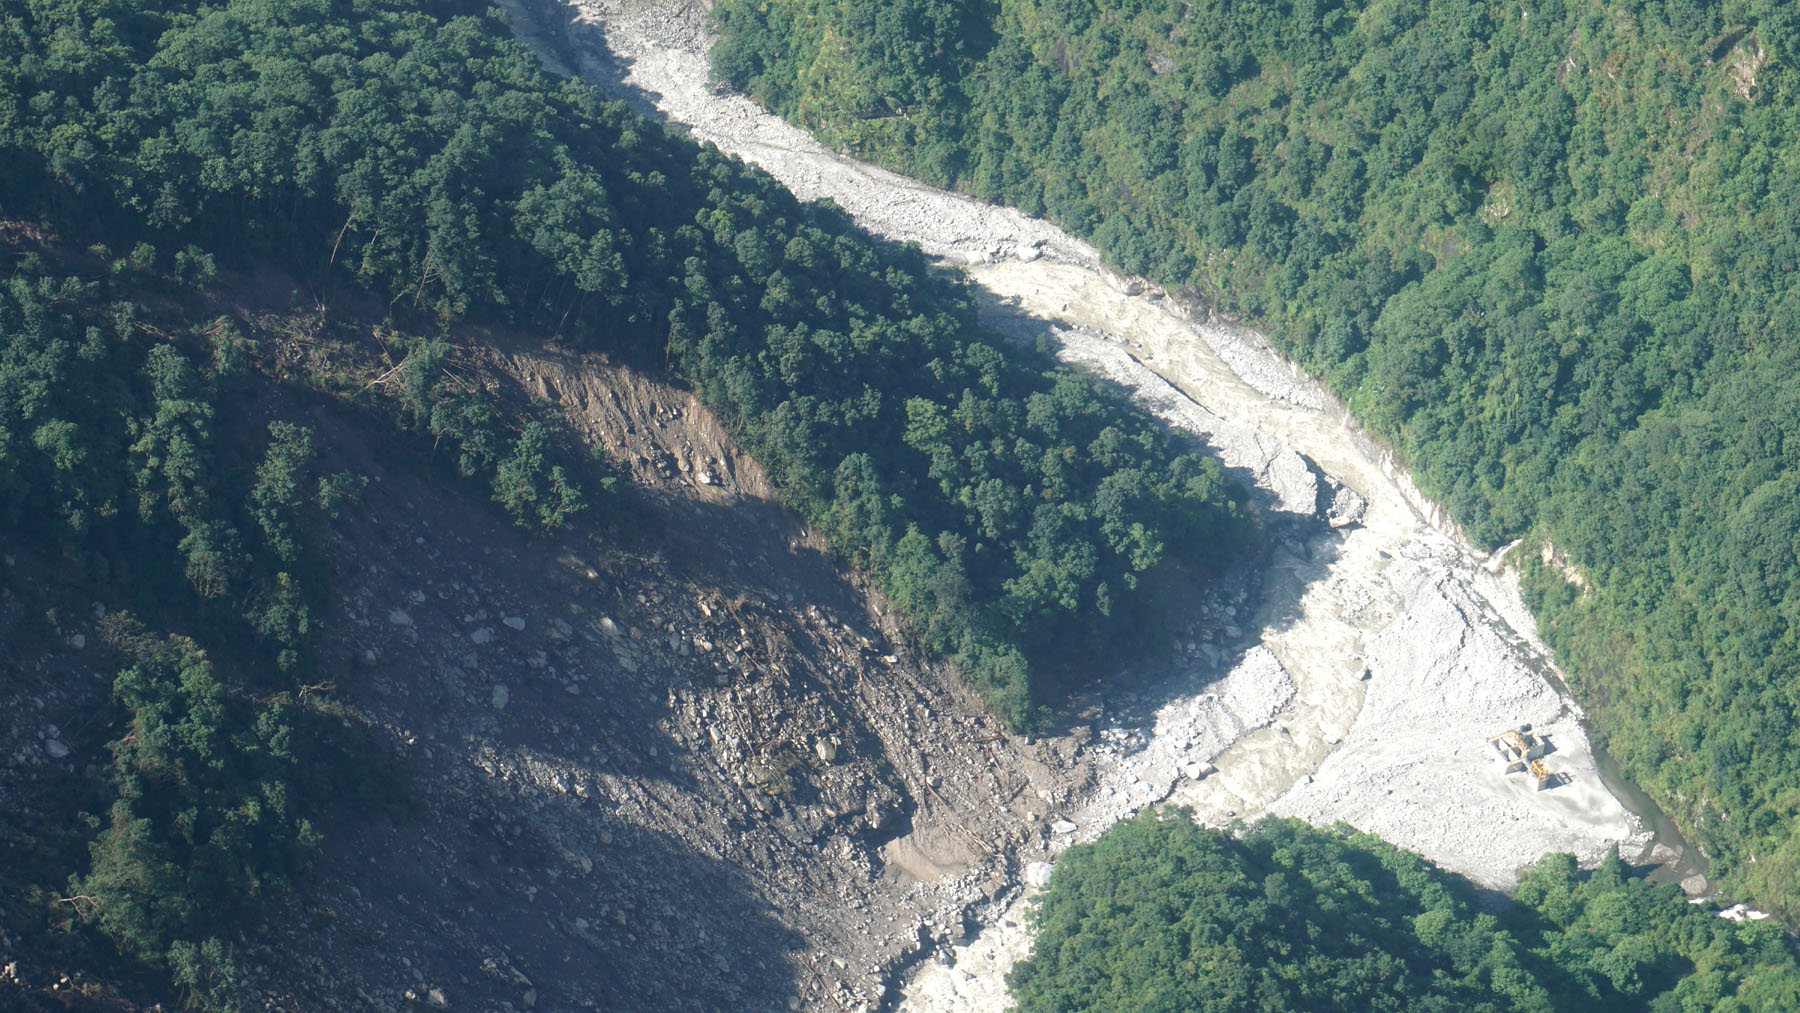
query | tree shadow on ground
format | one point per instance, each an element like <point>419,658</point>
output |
<point>573,46</point>
<point>533,858</point>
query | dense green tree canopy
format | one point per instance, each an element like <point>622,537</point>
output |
<point>1161,914</point>
<point>124,443</point>
<point>1011,506</point>
<point>1546,249</point>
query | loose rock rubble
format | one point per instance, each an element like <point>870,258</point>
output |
<point>694,764</point>
<point>1189,732</point>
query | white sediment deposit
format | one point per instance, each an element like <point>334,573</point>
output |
<point>1382,655</point>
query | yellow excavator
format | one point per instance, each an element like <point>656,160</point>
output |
<point>1516,740</point>
<point>1520,753</point>
<point>1542,773</point>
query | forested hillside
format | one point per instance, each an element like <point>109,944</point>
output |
<point>1010,506</point>
<point>1546,249</point>
<point>1161,914</point>
<point>412,156</point>
<point>138,444</point>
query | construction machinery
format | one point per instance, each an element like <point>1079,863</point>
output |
<point>1522,752</point>
<point>1540,773</point>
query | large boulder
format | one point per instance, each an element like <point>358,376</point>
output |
<point>1345,508</point>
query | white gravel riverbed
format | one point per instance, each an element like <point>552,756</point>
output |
<point>1383,654</point>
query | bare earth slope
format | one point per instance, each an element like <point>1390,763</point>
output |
<point>681,763</point>
<point>687,769</point>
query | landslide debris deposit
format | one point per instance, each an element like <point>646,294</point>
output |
<point>688,761</point>
<point>678,756</point>
<point>1363,682</point>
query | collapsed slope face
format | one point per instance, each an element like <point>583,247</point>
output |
<point>689,766</point>
<point>672,757</point>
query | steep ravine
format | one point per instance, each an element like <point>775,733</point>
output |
<point>1382,655</point>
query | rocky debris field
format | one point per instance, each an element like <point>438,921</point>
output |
<point>671,758</point>
<point>1405,652</point>
<point>1386,652</point>
<point>681,762</point>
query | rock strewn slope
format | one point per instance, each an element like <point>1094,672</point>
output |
<point>686,766</point>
